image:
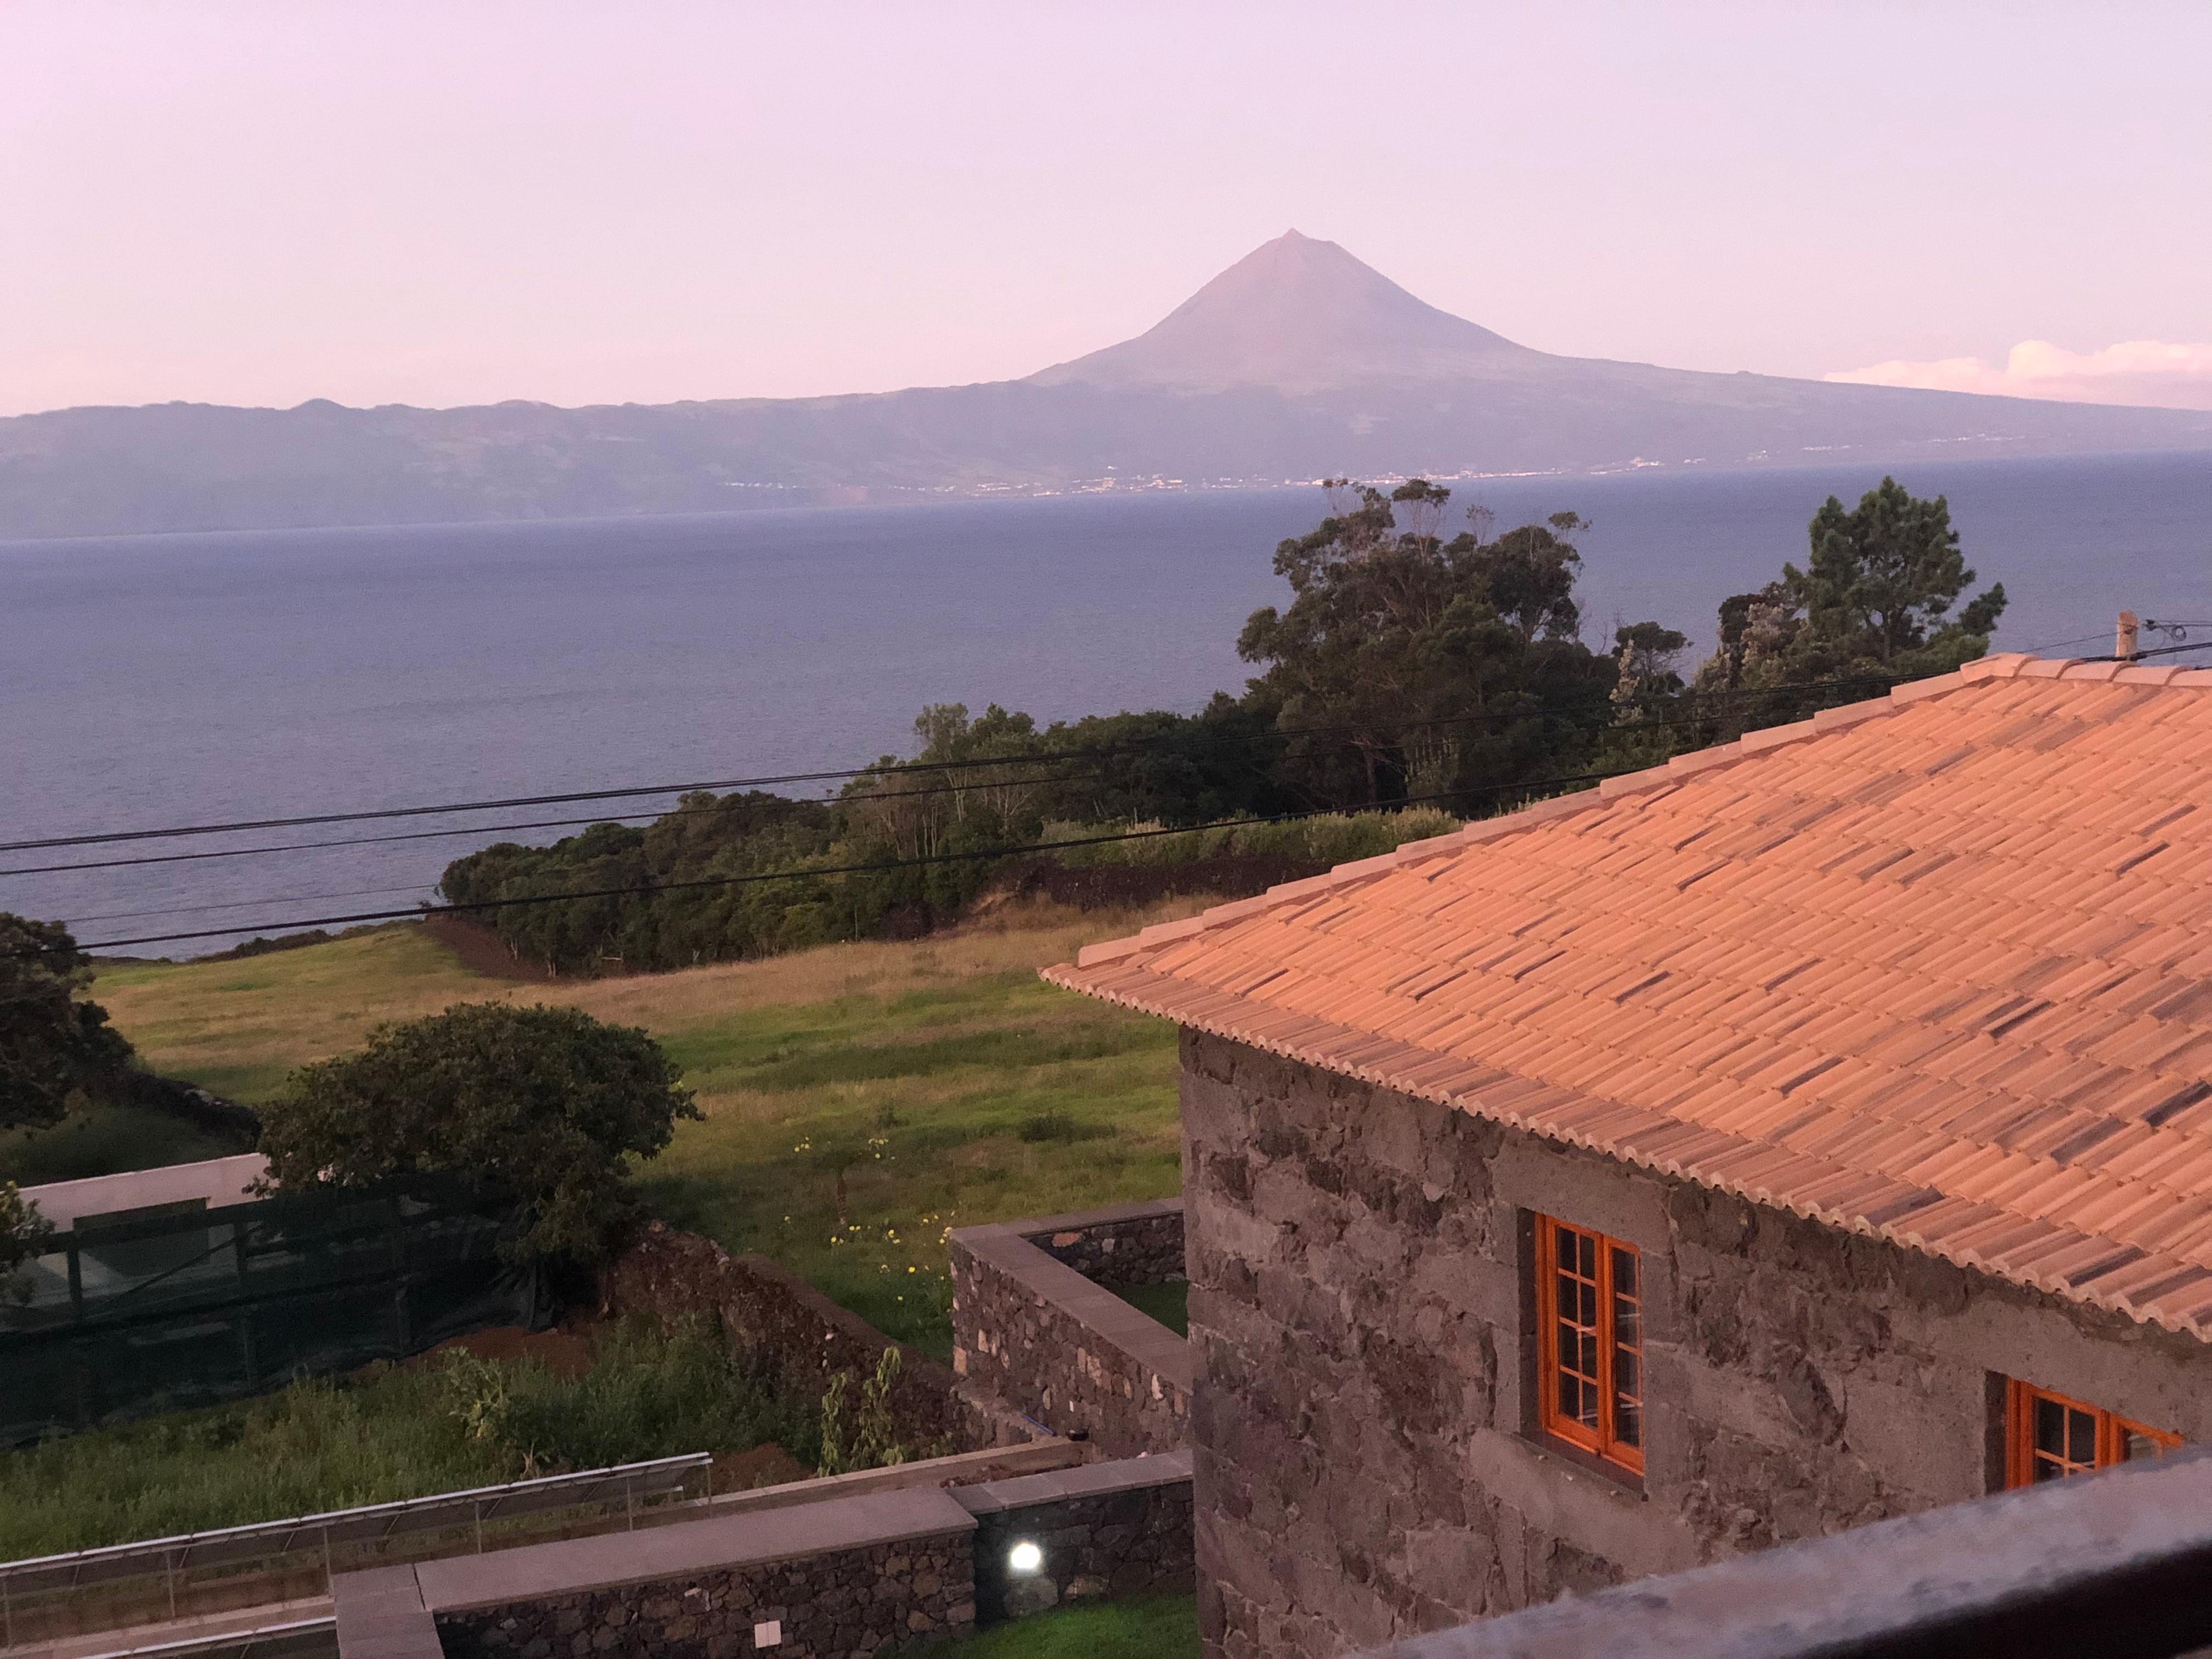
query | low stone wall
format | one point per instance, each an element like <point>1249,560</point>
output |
<point>1108,1530</point>
<point>1032,1333</point>
<point>1144,1248</point>
<point>838,1580</point>
<point>802,1335</point>
<point>847,1577</point>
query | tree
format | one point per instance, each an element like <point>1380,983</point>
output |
<point>1447,665</point>
<point>55,1047</point>
<point>1872,605</point>
<point>547,1102</point>
<point>1882,575</point>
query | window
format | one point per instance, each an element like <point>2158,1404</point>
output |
<point>2049,1437</point>
<point>1589,1342</point>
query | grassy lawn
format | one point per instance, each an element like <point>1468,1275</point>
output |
<point>1145,1627</point>
<point>104,1140</point>
<point>391,1432</point>
<point>860,1099</point>
<point>1169,1304</point>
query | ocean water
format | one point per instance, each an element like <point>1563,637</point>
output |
<point>165,680</point>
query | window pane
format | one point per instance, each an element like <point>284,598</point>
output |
<point>1628,1425</point>
<point>1627,1325</point>
<point>1624,1271</point>
<point>1586,1305</point>
<point>2050,1427</point>
<point>1627,1378</point>
<point>1586,1256</point>
<point>2137,1443</point>
<point>2080,1438</point>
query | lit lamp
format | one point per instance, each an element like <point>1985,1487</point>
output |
<point>1024,1557</point>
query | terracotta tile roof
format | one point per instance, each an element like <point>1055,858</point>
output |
<point>1937,968</point>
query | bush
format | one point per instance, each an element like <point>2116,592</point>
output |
<point>645,1396</point>
<point>547,1103</point>
<point>55,1049</point>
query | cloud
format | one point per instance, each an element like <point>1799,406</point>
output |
<point>2147,372</point>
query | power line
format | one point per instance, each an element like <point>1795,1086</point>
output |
<point>1108,751</point>
<point>876,867</point>
<point>246,904</point>
<point>498,829</point>
<point>895,769</point>
<point>2162,651</point>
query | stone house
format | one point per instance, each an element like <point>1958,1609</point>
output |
<point>1814,1130</point>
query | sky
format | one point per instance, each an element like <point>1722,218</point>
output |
<point>467,201</point>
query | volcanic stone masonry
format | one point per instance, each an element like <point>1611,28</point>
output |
<point>1032,1333</point>
<point>1366,1463</point>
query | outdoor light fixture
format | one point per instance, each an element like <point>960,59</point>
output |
<point>1025,1557</point>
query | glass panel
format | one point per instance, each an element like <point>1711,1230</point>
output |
<point>1625,1377</point>
<point>1586,1305</point>
<point>2136,1444</point>
<point>1586,1256</point>
<point>1628,1425</point>
<point>1627,1325</point>
<point>2080,1438</point>
<point>1624,1271</point>
<point>2050,1427</point>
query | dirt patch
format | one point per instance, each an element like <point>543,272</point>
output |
<point>768,1465</point>
<point>563,1352</point>
<point>483,952</point>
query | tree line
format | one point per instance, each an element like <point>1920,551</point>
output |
<point>1418,660</point>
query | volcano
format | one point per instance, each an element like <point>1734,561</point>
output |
<point>1295,315</point>
<point>1298,361</point>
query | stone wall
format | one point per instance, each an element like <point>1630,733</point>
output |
<point>799,1332</point>
<point>1111,1530</point>
<point>850,1603</point>
<point>845,1576</point>
<point>1134,1244</point>
<point>1032,1333</point>
<point>1367,1462</point>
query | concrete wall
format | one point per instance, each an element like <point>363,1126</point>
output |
<point>1366,1465</point>
<point>1032,1333</point>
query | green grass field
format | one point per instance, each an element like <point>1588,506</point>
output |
<point>860,1099</point>
<point>1144,1627</point>
<point>390,1432</point>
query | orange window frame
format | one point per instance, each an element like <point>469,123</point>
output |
<point>1589,1342</point>
<point>2106,1439</point>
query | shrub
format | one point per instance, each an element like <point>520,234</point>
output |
<point>54,1047</point>
<point>546,1102</point>
<point>645,1396</point>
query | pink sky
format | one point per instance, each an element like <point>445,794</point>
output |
<point>465,201</point>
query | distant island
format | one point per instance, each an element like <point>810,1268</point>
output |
<point>1296,362</point>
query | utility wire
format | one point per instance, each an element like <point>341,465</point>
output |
<point>875,867</point>
<point>880,769</point>
<point>499,828</point>
<point>2162,651</point>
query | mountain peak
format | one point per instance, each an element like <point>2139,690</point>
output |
<point>1296,314</point>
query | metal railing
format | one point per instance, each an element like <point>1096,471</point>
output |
<point>301,1638</point>
<point>319,1542</point>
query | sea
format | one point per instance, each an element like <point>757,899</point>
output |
<point>172,681</point>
